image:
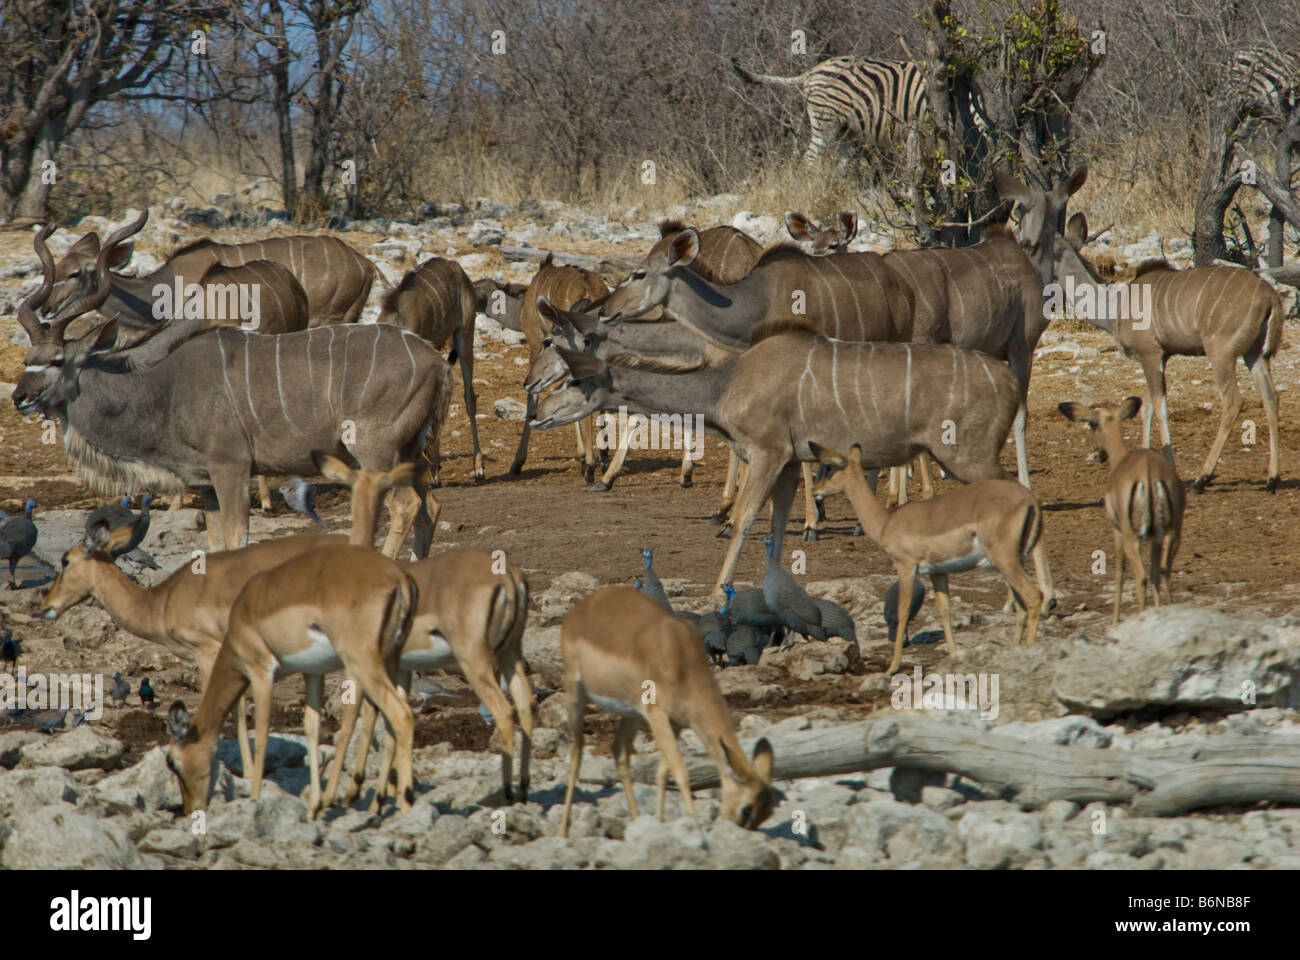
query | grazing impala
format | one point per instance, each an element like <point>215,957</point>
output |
<point>436,301</point>
<point>471,613</point>
<point>794,386</point>
<point>630,656</point>
<point>187,613</point>
<point>1144,501</point>
<point>990,523</point>
<point>334,607</point>
<point>333,277</point>
<point>1224,313</point>
<point>180,410</point>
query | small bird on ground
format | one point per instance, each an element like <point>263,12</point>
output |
<point>891,606</point>
<point>652,588</point>
<point>298,494</point>
<point>119,689</point>
<point>147,696</point>
<point>10,649</point>
<point>17,538</point>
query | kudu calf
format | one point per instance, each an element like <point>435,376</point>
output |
<point>1222,313</point>
<point>436,301</point>
<point>334,278</point>
<point>188,409</point>
<point>794,386</point>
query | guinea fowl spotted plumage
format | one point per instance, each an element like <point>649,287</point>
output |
<point>715,626</point>
<point>891,605</point>
<point>652,588</point>
<point>745,645</point>
<point>749,609</point>
<point>298,494</point>
<point>836,621</point>
<point>17,538</point>
<point>119,689</point>
<point>794,608</point>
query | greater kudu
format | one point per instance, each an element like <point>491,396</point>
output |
<point>334,278</point>
<point>188,408</point>
<point>1222,313</point>
<point>795,386</point>
<point>436,301</point>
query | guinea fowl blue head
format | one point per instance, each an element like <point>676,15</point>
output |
<point>30,506</point>
<point>730,593</point>
<point>768,544</point>
<point>126,501</point>
<point>649,557</point>
<point>636,583</point>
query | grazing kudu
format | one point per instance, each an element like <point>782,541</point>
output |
<point>335,278</point>
<point>987,523</point>
<point>500,301</point>
<point>331,608</point>
<point>794,386</point>
<point>179,411</point>
<point>562,286</point>
<point>1144,500</point>
<point>617,644</point>
<point>436,301</point>
<point>470,615</point>
<point>1222,313</point>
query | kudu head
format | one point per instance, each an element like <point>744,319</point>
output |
<point>823,240</point>
<point>76,274</point>
<point>1042,229</point>
<point>1103,420</point>
<point>589,389</point>
<point>53,361</point>
<point>82,564</point>
<point>574,329</point>
<point>648,285</point>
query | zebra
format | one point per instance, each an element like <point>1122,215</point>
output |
<point>854,97</point>
<point>1267,80</point>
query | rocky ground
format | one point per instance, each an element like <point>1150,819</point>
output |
<point>99,794</point>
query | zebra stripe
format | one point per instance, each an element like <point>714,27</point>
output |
<point>1267,80</point>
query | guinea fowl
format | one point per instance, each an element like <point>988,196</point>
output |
<point>119,689</point>
<point>891,605</point>
<point>749,609</point>
<point>17,538</point>
<point>745,645</point>
<point>794,608</point>
<point>298,494</point>
<point>836,621</point>
<point>652,587</point>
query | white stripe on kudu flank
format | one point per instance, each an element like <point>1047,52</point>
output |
<point>835,378</point>
<point>374,349</point>
<point>329,366</point>
<point>248,381</point>
<point>279,384</point>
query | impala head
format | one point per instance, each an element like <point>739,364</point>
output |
<point>1103,420</point>
<point>187,758</point>
<point>648,285</point>
<point>53,362</point>
<point>823,240</point>
<point>368,488</point>
<point>1042,229</point>
<point>836,476</point>
<point>749,799</point>
<point>81,565</point>
<point>590,389</point>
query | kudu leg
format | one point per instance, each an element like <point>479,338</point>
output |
<point>404,504</point>
<point>616,465</point>
<point>264,494</point>
<point>759,480</point>
<point>1225,377</point>
<point>521,454</point>
<point>728,488</point>
<point>787,483</point>
<point>466,353</point>
<point>810,531</point>
<point>231,489</point>
<point>1261,370</point>
<point>1021,364</point>
<point>1153,371</point>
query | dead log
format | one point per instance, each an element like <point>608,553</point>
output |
<point>1284,202</point>
<point>1200,773</point>
<point>599,265</point>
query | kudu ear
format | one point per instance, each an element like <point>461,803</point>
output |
<point>100,339</point>
<point>1009,188</point>
<point>684,248</point>
<point>1078,412</point>
<point>799,226</point>
<point>121,255</point>
<point>332,468</point>
<point>1076,230</point>
<point>580,364</point>
<point>849,224</point>
<point>86,246</point>
<point>1129,407</point>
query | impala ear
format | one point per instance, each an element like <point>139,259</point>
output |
<point>763,759</point>
<point>97,536</point>
<point>826,455</point>
<point>402,475</point>
<point>684,248</point>
<point>800,227</point>
<point>1130,407</point>
<point>849,224</point>
<point>120,539</point>
<point>1076,230</point>
<point>1078,412</point>
<point>178,723</point>
<point>332,468</point>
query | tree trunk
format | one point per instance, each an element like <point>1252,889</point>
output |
<point>283,112</point>
<point>1219,182</point>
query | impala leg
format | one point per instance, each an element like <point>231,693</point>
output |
<point>1172,540</point>
<point>1261,370</point>
<point>482,679</point>
<point>466,353</point>
<point>809,506</point>
<point>263,494</point>
<point>906,577</point>
<point>662,729</point>
<point>1119,575</point>
<point>390,744</point>
<point>927,480</point>
<point>940,581</point>
<point>1044,574</point>
<point>346,725</point>
<point>521,454</point>
<point>375,683</point>
<point>624,733</point>
<point>364,740</point>
<point>616,465</point>
<point>661,786</point>
<point>1133,555</point>
<point>261,728</point>
<point>1225,376</point>
<point>1028,598</point>
<point>523,698</point>
<point>1155,549</point>
<point>759,480</point>
<point>575,700</point>
<point>311,727</point>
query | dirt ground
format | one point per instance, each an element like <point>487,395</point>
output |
<point>1237,551</point>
